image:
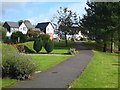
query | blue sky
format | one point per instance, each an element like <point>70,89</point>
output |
<point>37,11</point>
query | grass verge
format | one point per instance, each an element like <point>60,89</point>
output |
<point>8,82</point>
<point>101,72</point>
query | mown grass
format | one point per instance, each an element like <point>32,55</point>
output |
<point>45,62</point>
<point>101,72</point>
<point>8,82</point>
<point>59,47</point>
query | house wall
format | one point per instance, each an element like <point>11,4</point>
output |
<point>14,29</point>
<point>23,28</point>
<point>11,31</point>
<point>8,33</point>
<point>50,30</point>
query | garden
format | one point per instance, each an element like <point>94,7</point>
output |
<point>16,66</point>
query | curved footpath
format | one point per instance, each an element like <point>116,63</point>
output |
<point>61,75</point>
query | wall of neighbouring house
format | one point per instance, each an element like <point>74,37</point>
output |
<point>11,31</point>
<point>50,30</point>
<point>23,28</point>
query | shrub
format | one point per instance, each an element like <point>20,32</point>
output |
<point>15,65</point>
<point>37,44</point>
<point>49,46</point>
<point>72,51</point>
<point>7,40</point>
<point>45,38</point>
<point>3,33</point>
<point>33,33</point>
<point>18,37</point>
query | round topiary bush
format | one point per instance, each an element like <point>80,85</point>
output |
<point>49,46</point>
<point>15,65</point>
<point>37,45</point>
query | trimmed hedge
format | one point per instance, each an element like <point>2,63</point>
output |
<point>15,65</point>
<point>45,38</point>
<point>37,44</point>
<point>49,46</point>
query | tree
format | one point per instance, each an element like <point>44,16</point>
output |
<point>66,20</point>
<point>49,46</point>
<point>37,44</point>
<point>100,20</point>
<point>18,37</point>
<point>25,21</point>
<point>33,33</point>
<point>45,38</point>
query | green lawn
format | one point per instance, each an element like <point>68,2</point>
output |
<point>59,47</point>
<point>8,82</point>
<point>101,72</point>
<point>45,62</point>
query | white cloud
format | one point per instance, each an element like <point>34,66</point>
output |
<point>38,19</point>
<point>8,7</point>
<point>45,17</point>
<point>75,7</point>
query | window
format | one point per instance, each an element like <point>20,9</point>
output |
<point>48,29</point>
<point>24,28</point>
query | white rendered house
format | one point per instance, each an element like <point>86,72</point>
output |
<point>17,26</point>
<point>47,28</point>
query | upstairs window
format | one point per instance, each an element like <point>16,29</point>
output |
<point>24,28</point>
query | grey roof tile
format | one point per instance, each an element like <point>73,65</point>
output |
<point>13,24</point>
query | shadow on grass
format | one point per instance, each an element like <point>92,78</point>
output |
<point>116,64</point>
<point>27,50</point>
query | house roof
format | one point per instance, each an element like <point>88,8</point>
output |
<point>13,24</point>
<point>29,25</point>
<point>42,25</point>
<point>17,24</point>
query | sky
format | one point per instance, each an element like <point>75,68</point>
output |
<point>37,12</point>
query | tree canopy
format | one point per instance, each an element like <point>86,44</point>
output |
<point>102,22</point>
<point>67,21</point>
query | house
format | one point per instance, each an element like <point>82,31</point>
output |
<point>17,26</point>
<point>47,28</point>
